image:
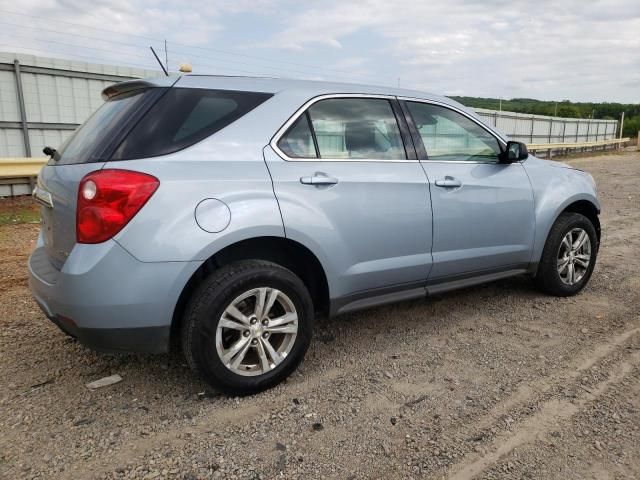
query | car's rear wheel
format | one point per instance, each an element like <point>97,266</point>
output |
<point>569,256</point>
<point>248,326</point>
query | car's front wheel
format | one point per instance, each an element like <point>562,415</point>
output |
<point>248,326</point>
<point>569,256</point>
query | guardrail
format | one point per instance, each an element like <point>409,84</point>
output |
<point>17,175</point>
<point>20,167</point>
<point>565,147</point>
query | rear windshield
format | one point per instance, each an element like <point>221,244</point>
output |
<point>155,121</point>
<point>105,128</point>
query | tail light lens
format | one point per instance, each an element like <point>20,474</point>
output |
<point>108,199</point>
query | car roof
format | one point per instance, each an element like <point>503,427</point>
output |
<point>293,88</point>
<point>277,85</point>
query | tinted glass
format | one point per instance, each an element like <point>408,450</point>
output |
<point>449,135</point>
<point>90,142</point>
<point>298,141</point>
<point>184,116</point>
<point>361,128</point>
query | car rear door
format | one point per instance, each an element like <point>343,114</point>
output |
<point>350,190</point>
<point>483,211</point>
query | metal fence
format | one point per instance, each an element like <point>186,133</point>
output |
<point>542,129</point>
<point>42,100</point>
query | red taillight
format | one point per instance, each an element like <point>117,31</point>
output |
<point>108,199</point>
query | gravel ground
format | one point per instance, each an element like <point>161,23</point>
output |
<point>496,381</point>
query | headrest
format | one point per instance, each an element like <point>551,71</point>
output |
<point>360,135</point>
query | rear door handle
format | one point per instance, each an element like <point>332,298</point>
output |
<point>449,182</point>
<point>319,178</point>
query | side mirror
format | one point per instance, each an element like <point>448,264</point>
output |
<point>514,152</point>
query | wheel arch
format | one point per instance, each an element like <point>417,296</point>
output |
<point>283,251</point>
<point>589,210</point>
<point>585,206</point>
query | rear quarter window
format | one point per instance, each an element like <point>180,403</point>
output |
<point>184,116</point>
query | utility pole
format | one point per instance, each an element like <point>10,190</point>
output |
<point>621,124</point>
<point>166,55</point>
<point>555,112</point>
<point>500,104</point>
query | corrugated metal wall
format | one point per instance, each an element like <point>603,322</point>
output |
<point>542,129</point>
<point>58,95</point>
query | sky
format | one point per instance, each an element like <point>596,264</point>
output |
<point>580,50</point>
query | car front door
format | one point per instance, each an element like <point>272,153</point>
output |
<point>349,190</point>
<point>483,210</point>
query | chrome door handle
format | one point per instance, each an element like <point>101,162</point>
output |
<point>319,178</point>
<point>449,182</point>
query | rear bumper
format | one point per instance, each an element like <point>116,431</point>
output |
<point>116,340</point>
<point>107,299</point>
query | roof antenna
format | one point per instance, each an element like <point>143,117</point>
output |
<point>158,59</point>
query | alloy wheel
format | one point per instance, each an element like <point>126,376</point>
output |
<point>574,256</point>
<point>257,331</point>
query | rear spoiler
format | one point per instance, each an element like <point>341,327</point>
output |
<point>130,85</point>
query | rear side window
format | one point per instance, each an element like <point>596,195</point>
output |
<point>346,128</point>
<point>362,128</point>
<point>154,121</point>
<point>298,141</point>
<point>184,116</point>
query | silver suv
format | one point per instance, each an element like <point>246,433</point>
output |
<point>226,213</point>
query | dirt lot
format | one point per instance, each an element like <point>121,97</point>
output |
<point>497,381</point>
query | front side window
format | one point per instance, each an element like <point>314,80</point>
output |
<point>449,135</point>
<point>346,128</point>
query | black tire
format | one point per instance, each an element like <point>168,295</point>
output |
<point>209,301</point>
<point>548,278</point>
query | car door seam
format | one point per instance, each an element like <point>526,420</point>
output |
<point>535,217</point>
<point>273,189</point>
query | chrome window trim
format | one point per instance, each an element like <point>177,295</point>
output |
<point>478,122</point>
<point>468,162</point>
<point>283,129</point>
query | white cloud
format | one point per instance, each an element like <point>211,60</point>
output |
<point>547,49</point>
<point>325,25</point>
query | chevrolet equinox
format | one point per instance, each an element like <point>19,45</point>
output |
<point>224,214</point>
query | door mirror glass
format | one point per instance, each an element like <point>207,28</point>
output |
<point>514,152</point>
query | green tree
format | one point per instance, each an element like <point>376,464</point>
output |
<point>568,111</point>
